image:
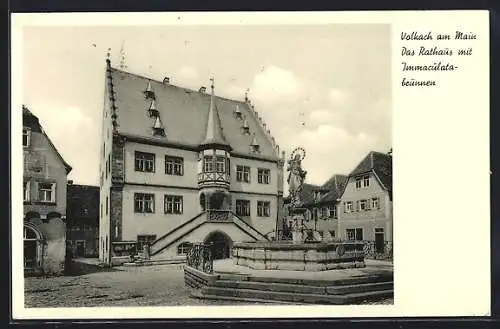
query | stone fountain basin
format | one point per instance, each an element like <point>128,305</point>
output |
<point>312,257</point>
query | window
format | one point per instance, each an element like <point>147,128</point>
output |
<point>26,191</point>
<point>366,181</point>
<point>363,205</point>
<point>350,234</point>
<point>375,203</point>
<point>379,230</point>
<point>348,206</point>
<point>174,166</point>
<point>109,163</point>
<point>243,174</point>
<point>46,192</point>
<point>106,170</point>
<point>173,204</point>
<point>220,162</point>
<point>359,234</point>
<point>107,206</point>
<point>332,211</point>
<point>144,240</point>
<point>242,207</point>
<point>332,234</point>
<point>363,181</point>
<point>321,234</point>
<point>144,203</point>
<point>263,176</point>
<point>208,163</point>
<point>183,248</point>
<point>324,212</point>
<point>144,162</point>
<point>26,137</point>
<point>263,208</point>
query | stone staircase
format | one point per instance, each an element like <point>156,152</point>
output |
<point>354,290</point>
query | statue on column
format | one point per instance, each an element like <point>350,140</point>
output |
<point>296,175</point>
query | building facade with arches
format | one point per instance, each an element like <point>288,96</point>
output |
<point>182,166</point>
<point>44,199</point>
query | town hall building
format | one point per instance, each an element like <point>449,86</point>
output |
<point>181,166</point>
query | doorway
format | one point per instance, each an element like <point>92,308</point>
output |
<point>32,248</point>
<point>220,245</point>
<point>379,240</point>
<point>80,248</point>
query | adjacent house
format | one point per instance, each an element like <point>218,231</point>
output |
<point>366,202</point>
<point>354,207</point>
<point>44,196</point>
<point>83,220</point>
<point>180,166</point>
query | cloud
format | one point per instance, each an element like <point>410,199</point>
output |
<point>323,116</point>
<point>340,97</point>
<point>275,84</point>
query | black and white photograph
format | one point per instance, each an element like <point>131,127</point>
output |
<point>238,163</point>
<point>207,165</point>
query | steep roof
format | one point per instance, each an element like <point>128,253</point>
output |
<point>185,115</point>
<point>29,119</point>
<point>335,185</point>
<point>381,164</point>
<point>306,195</point>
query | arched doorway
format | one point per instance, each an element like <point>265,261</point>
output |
<point>221,245</point>
<point>33,248</point>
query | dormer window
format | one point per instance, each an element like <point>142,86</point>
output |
<point>153,111</point>
<point>202,89</point>
<point>254,146</point>
<point>237,112</point>
<point>158,128</point>
<point>26,137</point>
<point>362,181</point>
<point>159,132</point>
<point>245,128</point>
<point>148,93</point>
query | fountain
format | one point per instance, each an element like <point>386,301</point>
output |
<point>299,253</point>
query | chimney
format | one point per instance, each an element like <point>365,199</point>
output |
<point>70,182</point>
<point>202,89</point>
<point>166,80</point>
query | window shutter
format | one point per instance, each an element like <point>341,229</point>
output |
<point>368,205</point>
<point>378,203</point>
<point>345,207</point>
<point>53,193</point>
<point>37,192</point>
<point>28,191</point>
<point>357,206</point>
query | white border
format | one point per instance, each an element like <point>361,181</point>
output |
<point>442,254</point>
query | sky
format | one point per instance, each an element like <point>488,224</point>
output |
<point>326,88</point>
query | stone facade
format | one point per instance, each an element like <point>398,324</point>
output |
<point>44,182</point>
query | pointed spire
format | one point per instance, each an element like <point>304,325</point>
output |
<point>214,134</point>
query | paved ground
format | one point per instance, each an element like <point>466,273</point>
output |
<point>159,285</point>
